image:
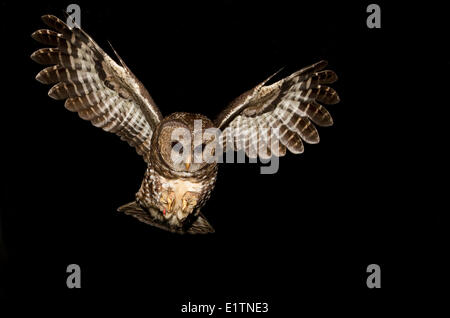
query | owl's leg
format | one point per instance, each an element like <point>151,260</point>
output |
<point>189,201</point>
<point>167,199</point>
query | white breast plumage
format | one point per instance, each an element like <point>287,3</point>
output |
<point>180,186</point>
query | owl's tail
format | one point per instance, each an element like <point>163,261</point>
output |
<point>197,226</point>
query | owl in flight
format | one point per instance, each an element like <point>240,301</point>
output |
<point>262,122</point>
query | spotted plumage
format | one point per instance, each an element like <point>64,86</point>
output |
<point>263,122</point>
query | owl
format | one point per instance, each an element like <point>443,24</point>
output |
<point>263,122</point>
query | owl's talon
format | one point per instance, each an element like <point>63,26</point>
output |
<point>167,199</point>
<point>170,202</point>
<point>189,201</point>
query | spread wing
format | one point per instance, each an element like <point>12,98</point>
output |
<point>94,85</point>
<point>266,120</point>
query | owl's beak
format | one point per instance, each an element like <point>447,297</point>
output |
<point>187,164</point>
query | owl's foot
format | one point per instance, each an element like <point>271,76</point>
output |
<point>168,200</point>
<point>189,201</point>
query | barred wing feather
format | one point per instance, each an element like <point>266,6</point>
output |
<point>266,120</point>
<point>94,85</point>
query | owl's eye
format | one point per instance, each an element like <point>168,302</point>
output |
<point>200,148</point>
<point>178,147</point>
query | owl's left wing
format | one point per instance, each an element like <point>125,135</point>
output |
<point>266,120</point>
<point>94,85</point>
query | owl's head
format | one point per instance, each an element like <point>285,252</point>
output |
<point>186,142</point>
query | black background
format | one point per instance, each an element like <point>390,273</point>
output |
<point>299,239</point>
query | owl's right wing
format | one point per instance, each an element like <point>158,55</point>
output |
<point>94,85</point>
